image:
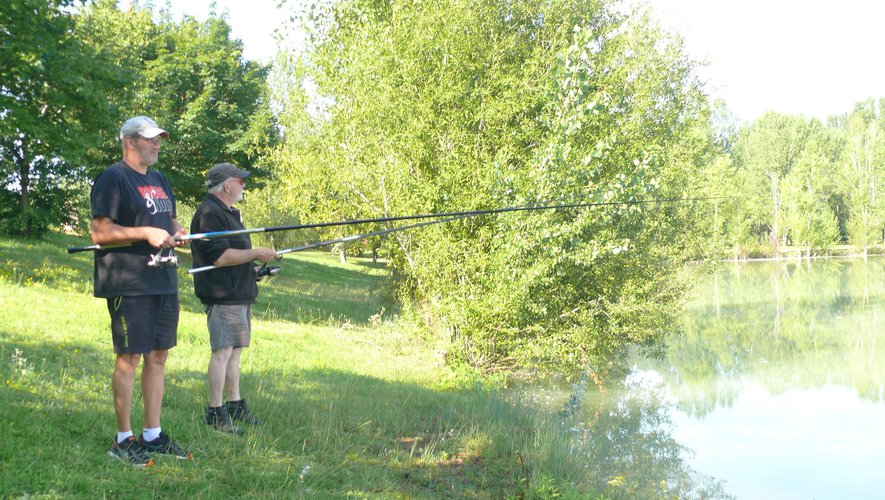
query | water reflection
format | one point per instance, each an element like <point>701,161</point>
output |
<point>622,438</point>
<point>787,325</point>
<point>778,380</point>
<point>773,389</point>
<point>630,444</point>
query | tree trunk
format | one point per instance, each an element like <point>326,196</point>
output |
<point>24,172</point>
<point>774,226</point>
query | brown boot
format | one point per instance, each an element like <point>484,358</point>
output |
<point>239,411</point>
<point>220,419</point>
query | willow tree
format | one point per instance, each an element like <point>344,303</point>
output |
<point>471,104</point>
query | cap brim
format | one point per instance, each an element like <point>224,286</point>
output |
<point>150,133</point>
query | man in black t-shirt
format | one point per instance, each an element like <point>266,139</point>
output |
<point>227,292</point>
<point>134,207</point>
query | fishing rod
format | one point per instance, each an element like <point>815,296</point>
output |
<point>346,239</point>
<point>464,213</point>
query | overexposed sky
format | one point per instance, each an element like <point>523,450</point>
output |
<point>811,57</point>
<point>252,21</point>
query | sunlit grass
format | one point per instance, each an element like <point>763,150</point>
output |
<point>358,403</point>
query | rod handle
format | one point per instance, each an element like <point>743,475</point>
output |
<point>87,248</point>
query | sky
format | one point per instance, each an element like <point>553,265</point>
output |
<point>814,58</point>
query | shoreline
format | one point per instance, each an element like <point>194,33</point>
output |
<point>803,257</point>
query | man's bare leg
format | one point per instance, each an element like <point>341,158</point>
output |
<point>153,378</point>
<point>122,385</point>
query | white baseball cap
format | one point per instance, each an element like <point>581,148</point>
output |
<point>143,126</point>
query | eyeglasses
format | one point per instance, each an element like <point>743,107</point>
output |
<point>152,140</point>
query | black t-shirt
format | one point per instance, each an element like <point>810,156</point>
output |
<point>228,284</point>
<point>131,199</point>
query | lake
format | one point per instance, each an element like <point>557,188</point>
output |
<point>773,389</point>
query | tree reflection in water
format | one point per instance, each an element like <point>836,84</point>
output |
<point>786,326</point>
<point>626,436</point>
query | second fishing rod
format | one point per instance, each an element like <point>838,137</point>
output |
<point>438,215</point>
<point>345,239</point>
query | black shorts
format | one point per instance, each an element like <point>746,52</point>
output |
<point>144,323</point>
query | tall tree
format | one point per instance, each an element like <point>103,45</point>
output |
<point>210,98</point>
<point>714,182</point>
<point>52,90</point>
<point>863,176</point>
<point>807,191</point>
<point>459,104</point>
<point>766,152</point>
<point>191,77</point>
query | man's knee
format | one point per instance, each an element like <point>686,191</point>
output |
<point>157,357</point>
<point>222,353</point>
<point>127,363</point>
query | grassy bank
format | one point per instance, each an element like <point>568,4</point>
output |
<point>358,405</point>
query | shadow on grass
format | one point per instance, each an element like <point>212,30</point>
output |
<point>58,420</point>
<point>331,433</point>
<point>367,263</point>
<point>310,292</point>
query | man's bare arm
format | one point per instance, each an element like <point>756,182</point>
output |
<point>107,232</point>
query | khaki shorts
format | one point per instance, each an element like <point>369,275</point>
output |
<point>229,325</point>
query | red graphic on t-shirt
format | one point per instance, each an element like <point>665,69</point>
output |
<point>152,192</point>
<point>155,199</point>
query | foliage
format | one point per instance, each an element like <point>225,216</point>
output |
<point>192,79</point>
<point>766,153</point>
<point>806,211</point>
<point>779,163</point>
<point>463,104</point>
<point>797,182</point>
<point>862,172</point>
<point>52,99</point>
<point>69,77</point>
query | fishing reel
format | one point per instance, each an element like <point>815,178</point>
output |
<point>159,260</point>
<point>266,270</point>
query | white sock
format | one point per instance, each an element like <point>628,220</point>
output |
<point>151,434</point>
<point>123,436</point>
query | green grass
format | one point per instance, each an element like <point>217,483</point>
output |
<point>358,403</point>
